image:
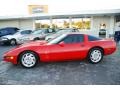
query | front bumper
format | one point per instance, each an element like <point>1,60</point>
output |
<point>11,59</point>
<point>4,41</point>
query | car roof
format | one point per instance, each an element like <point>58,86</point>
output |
<point>70,33</point>
<point>10,28</point>
<point>23,30</point>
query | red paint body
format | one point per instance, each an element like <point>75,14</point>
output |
<point>65,52</point>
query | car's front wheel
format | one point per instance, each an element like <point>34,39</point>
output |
<point>95,55</point>
<point>28,59</point>
<point>13,42</point>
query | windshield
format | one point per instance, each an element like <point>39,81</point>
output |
<point>37,32</point>
<point>56,40</point>
<point>16,33</point>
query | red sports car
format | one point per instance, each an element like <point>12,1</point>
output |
<point>67,47</point>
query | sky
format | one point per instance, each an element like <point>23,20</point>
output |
<point>20,7</point>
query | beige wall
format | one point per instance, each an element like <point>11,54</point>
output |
<point>108,20</point>
<point>22,24</point>
<point>26,24</point>
<point>9,23</point>
<point>97,20</point>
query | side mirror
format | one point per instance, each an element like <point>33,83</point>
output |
<point>61,43</point>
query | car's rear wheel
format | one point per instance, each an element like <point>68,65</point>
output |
<point>95,55</point>
<point>13,42</point>
<point>28,59</point>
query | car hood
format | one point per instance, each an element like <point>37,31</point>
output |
<point>32,36</point>
<point>52,35</point>
<point>34,43</point>
<point>23,47</point>
<point>8,36</point>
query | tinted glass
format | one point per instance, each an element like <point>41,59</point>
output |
<point>80,38</point>
<point>68,39</point>
<point>46,31</point>
<point>50,30</point>
<point>92,38</point>
<point>26,32</point>
<point>12,31</point>
<point>73,39</point>
<point>4,31</point>
<point>37,32</point>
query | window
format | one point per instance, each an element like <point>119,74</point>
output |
<point>81,23</point>
<point>4,31</point>
<point>26,32</point>
<point>60,23</point>
<point>46,31</point>
<point>37,32</point>
<point>73,38</point>
<point>68,39</point>
<point>51,30</point>
<point>92,38</point>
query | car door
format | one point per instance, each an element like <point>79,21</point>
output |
<point>71,47</point>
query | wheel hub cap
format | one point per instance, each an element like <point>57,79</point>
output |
<point>96,56</point>
<point>28,60</point>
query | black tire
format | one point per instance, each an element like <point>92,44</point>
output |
<point>95,55</point>
<point>37,38</point>
<point>24,63</point>
<point>13,42</point>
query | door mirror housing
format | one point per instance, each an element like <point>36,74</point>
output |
<point>61,43</point>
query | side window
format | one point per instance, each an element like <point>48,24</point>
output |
<point>50,30</point>
<point>11,31</point>
<point>74,39</point>
<point>92,38</point>
<point>79,38</point>
<point>26,32</point>
<point>1,32</point>
<point>29,31</point>
<point>68,39</point>
<point>4,31</point>
<point>45,31</point>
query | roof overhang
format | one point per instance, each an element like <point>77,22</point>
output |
<point>78,14</point>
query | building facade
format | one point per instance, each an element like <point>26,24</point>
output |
<point>88,22</point>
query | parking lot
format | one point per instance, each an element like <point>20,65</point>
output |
<point>77,72</point>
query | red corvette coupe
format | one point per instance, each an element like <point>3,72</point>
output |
<point>72,46</point>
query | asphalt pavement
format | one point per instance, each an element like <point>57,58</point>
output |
<point>63,73</point>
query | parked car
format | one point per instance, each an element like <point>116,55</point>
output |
<point>13,39</point>
<point>60,32</point>
<point>117,36</point>
<point>67,47</point>
<point>102,32</point>
<point>8,31</point>
<point>36,35</point>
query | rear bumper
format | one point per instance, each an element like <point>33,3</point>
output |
<point>110,50</point>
